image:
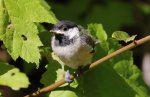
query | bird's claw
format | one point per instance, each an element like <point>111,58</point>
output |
<point>67,77</point>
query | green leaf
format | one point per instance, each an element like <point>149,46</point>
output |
<point>22,39</point>
<point>52,67</point>
<point>97,29</point>
<point>12,77</point>
<point>24,45</point>
<point>45,35</point>
<point>120,35</point>
<point>123,36</point>
<point>5,67</point>
<point>131,75</point>
<point>30,10</point>
<point>131,38</point>
<point>63,94</point>
<point>123,64</point>
<point>3,19</point>
<point>57,58</point>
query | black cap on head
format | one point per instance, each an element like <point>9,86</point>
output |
<point>64,25</point>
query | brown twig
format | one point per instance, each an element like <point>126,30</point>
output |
<point>93,65</point>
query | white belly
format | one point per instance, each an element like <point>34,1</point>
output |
<point>74,55</point>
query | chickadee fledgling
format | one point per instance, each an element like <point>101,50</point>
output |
<point>72,44</point>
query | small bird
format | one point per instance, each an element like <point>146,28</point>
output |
<point>72,44</point>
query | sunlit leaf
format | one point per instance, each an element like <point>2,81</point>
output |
<point>3,19</point>
<point>123,36</point>
<point>22,39</point>
<point>97,29</point>
<point>131,38</point>
<point>56,58</point>
<point>12,77</point>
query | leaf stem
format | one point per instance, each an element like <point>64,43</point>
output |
<point>93,65</point>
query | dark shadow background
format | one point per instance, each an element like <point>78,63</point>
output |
<point>132,16</point>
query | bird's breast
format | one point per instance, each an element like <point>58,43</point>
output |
<point>65,49</point>
<point>73,54</point>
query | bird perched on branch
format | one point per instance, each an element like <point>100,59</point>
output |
<point>72,44</point>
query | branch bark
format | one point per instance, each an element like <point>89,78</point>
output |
<point>93,65</point>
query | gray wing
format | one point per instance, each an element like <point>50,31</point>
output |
<point>87,39</point>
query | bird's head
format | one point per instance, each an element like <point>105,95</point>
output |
<point>65,28</point>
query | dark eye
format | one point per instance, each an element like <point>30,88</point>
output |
<point>65,28</point>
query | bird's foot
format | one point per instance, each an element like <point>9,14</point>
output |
<point>67,77</point>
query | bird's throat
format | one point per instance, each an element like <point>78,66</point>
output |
<point>62,40</point>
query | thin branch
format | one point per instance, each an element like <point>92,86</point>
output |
<point>93,65</point>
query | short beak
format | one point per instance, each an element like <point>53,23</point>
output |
<point>52,31</point>
<point>56,31</point>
